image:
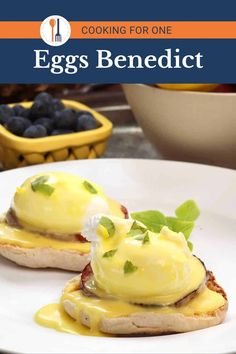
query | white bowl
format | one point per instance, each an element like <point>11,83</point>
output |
<point>187,125</point>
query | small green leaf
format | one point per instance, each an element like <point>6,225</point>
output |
<point>39,180</point>
<point>110,253</point>
<point>108,224</point>
<point>139,237</point>
<point>40,185</point>
<point>90,187</point>
<point>146,238</point>
<point>190,246</point>
<point>143,237</point>
<point>154,220</point>
<point>45,189</point>
<point>177,225</point>
<point>129,267</point>
<point>188,211</point>
<point>136,229</point>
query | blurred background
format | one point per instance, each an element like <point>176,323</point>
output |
<point>193,122</point>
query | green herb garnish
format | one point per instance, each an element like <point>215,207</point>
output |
<point>139,238</point>
<point>183,222</point>
<point>129,267</point>
<point>188,211</point>
<point>90,187</point>
<point>136,229</point>
<point>154,220</point>
<point>110,253</point>
<point>40,185</point>
<point>190,246</point>
<point>146,238</point>
<point>177,225</point>
<point>108,224</point>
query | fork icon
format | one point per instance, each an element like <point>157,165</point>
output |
<point>58,37</point>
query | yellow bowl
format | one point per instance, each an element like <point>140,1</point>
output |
<point>16,151</point>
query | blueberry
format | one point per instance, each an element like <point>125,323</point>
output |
<point>44,97</point>
<point>25,113</point>
<point>80,113</point>
<point>35,131</point>
<point>57,105</point>
<point>85,121</point>
<point>46,122</point>
<point>65,119</point>
<point>5,113</point>
<point>78,126</point>
<point>40,109</point>
<point>17,125</point>
<point>20,111</point>
<point>61,131</point>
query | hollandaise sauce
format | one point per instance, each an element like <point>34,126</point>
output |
<point>21,238</point>
<point>60,203</point>
<point>126,271</point>
<point>55,317</point>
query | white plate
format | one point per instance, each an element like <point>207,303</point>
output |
<point>138,184</point>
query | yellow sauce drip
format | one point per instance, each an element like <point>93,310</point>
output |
<point>53,316</point>
<point>21,238</point>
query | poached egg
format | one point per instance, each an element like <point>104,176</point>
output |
<point>60,203</point>
<point>137,265</point>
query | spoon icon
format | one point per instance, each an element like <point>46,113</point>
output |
<point>52,23</point>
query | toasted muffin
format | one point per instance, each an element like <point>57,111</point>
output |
<point>148,322</point>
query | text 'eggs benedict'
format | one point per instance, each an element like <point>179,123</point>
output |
<point>48,212</point>
<point>138,282</point>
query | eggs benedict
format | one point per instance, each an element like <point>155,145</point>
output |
<point>43,226</point>
<point>138,282</point>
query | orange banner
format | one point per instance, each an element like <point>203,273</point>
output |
<point>126,30</point>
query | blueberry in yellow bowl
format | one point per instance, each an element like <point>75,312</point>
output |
<point>48,130</point>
